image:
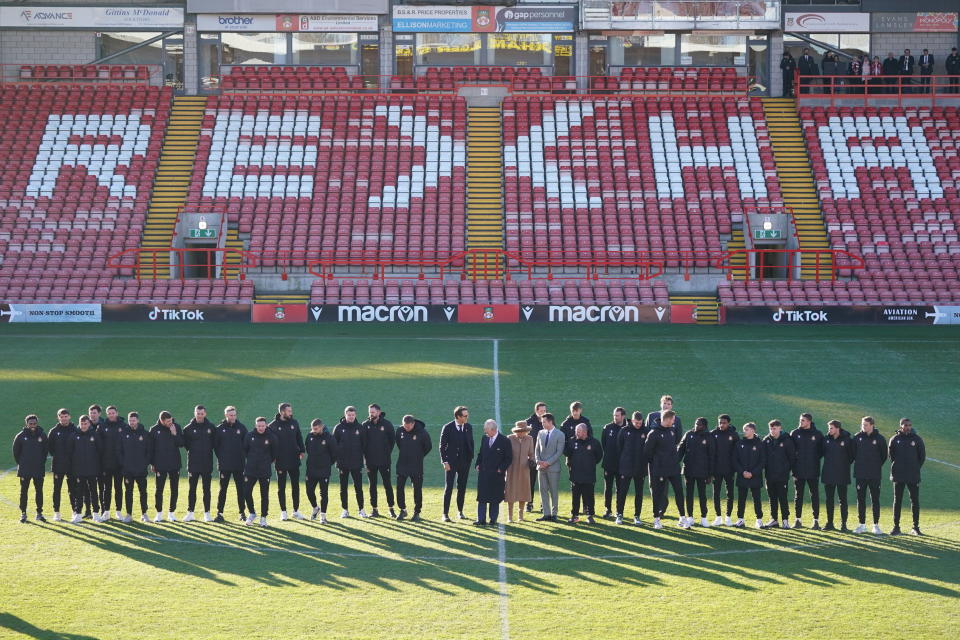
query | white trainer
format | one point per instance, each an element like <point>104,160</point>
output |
<point>207,517</point>
<point>323,518</point>
<point>189,517</point>
<point>759,524</point>
<point>345,514</point>
<point>637,521</point>
<point>862,528</point>
<point>104,516</point>
<point>876,530</point>
<point>77,519</point>
<point>56,517</point>
<point>785,524</point>
<point>159,517</point>
<point>618,519</point>
<point>739,523</point>
<point>126,519</point>
<point>97,517</point>
<point>314,513</point>
<point>144,518</point>
<point>283,516</point>
<point>657,524</point>
<point>727,522</point>
<point>171,517</point>
<point>263,522</point>
<point>683,524</point>
<point>363,514</point>
<point>704,522</point>
<point>718,522</point>
<point>298,516</point>
<point>250,519</point>
<point>118,515</point>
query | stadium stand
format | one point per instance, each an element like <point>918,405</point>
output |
<point>276,78</point>
<point>84,72</point>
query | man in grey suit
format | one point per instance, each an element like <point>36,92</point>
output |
<point>548,452</point>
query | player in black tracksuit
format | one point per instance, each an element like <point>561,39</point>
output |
<point>85,468</point>
<point>289,455</point>
<point>135,451</point>
<point>869,454</point>
<point>569,425</point>
<point>351,440</point>
<point>748,460</point>
<point>30,454</point>
<point>259,454</point>
<point>808,442</point>
<point>907,455</point>
<point>661,452</point>
<point>611,457</point>
<point>633,465</point>
<point>167,438</point>
<point>456,456</point>
<point>583,453</point>
<point>413,445</point>
<point>536,427</point>
<point>228,440</point>
<point>724,475</point>
<point>198,439</point>
<point>110,482</point>
<point>653,418</point>
<point>780,458</point>
<point>696,453</point>
<point>321,448</point>
<point>837,456</point>
<point>58,444</point>
<point>377,452</point>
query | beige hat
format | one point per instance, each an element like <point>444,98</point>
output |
<point>520,427</point>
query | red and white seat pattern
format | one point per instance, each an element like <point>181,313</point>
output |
<point>682,80</point>
<point>76,172</point>
<point>888,181</point>
<point>376,176</point>
<point>604,178</point>
<point>570,292</point>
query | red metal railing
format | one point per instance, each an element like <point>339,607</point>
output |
<point>946,89</point>
<point>791,263</point>
<point>141,261</point>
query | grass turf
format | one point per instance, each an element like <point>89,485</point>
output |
<point>378,577</point>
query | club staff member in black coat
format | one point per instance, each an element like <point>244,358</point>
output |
<point>351,441</point>
<point>583,453</point>
<point>724,475</point>
<point>321,449</point>
<point>780,457</point>
<point>456,456</point>
<point>30,454</point>
<point>536,426</point>
<point>413,445</point>
<point>135,452</point>
<point>654,417</point>
<point>289,454</point>
<point>748,460</point>
<point>869,454</point>
<point>661,452</point>
<point>837,457</point>
<point>907,455</point>
<point>633,465</point>
<point>953,70</point>
<point>378,449</point>
<point>95,413</point>
<point>890,72</point>
<point>494,457</point>
<point>85,469</point>
<point>569,424</point>
<point>788,67</point>
<point>808,443</point>
<point>807,66</point>
<point>58,444</point>
<point>228,440</point>
<point>926,70</point>
<point>198,439</point>
<point>167,439</point>
<point>260,450</point>
<point>696,453</point>
<point>905,66</point>
<point>110,482</point>
<point>611,457</point>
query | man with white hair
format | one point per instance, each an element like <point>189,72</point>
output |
<point>493,459</point>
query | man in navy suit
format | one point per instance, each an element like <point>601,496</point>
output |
<point>493,460</point>
<point>456,455</point>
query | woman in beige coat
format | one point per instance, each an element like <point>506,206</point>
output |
<point>518,475</point>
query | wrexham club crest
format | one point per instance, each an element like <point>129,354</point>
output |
<point>279,313</point>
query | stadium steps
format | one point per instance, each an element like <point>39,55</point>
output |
<point>738,262</point>
<point>173,178</point>
<point>281,298</point>
<point>231,260</point>
<point>485,191</point>
<point>796,183</point>
<point>708,306</point>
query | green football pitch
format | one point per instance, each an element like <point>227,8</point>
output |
<point>380,578</point>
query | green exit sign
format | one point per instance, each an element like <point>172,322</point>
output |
<point>203,233</point>
<point>767,234</point>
